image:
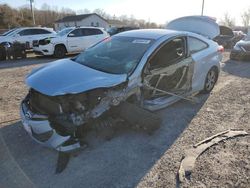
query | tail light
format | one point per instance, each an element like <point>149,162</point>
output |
<point>220,49</point>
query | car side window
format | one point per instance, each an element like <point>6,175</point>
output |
<point>170,53</point>
<point>196,45</point>
<point>25,32</point>
<point>92,31</point>
<point>42,31</point>
<point>76,33</point>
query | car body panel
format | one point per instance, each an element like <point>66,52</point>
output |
<point>202,25</point>
<point>68,77</point>
<point>72,44</point>
<point>14,36</point>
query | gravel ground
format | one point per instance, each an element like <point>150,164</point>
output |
<point>226,164</point>
<point>133,158</point>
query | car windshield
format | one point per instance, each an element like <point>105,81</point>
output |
<point>64,32</point>
<point>115,55</point>
<point>8,32</point>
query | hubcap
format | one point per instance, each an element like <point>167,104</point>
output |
<point>211,79</point>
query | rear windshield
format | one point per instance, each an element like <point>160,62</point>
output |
<point>116,55</point>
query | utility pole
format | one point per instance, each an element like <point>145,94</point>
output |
<point>202,8</point>
<point>32,12</point>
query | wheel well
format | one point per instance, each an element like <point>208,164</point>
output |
<point>62,46</point>
<point>3,43</point>
<point>216,69</point>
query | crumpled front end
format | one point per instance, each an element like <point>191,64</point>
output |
<point>59,122</point>
<point>42,130</point>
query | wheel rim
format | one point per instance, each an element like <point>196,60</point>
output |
<point>211,79</point>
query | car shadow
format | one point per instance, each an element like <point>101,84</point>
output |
<point>237,68</point>
<point>120,162</point>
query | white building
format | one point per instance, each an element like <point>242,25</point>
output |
<point>81,20</point>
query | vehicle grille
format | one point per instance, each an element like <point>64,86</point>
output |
<point>35,43</point>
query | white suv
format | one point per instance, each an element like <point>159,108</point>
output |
<point>70,40</point>
<point>26,35</point>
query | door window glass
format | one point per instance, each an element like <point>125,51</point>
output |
<point>170,53</point>
<point>196,45</point>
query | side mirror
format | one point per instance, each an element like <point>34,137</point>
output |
<point>71,35</point>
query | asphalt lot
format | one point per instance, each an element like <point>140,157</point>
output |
<point>131,158</point>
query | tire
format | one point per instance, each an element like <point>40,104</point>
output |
<point>211,79</point>
<point>60,51</point>
<point>2,54</point>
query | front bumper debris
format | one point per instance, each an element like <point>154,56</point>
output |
<point>40,130</point>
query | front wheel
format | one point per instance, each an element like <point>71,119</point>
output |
<point>211,80</point>
<point>60,51</point>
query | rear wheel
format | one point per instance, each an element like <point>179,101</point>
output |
<point>211,80</point>
<point>60,51</point>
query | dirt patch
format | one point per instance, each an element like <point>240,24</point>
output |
<point>13,90</point>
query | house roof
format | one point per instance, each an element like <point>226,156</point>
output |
<point>79,17</point>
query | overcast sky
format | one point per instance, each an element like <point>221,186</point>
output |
<point>158,11</point>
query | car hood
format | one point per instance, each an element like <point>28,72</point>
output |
<point>202,25</point>
<point>68,77</point>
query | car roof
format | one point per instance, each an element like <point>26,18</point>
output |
<point>150,33</point>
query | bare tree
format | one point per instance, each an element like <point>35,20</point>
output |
<point>47,15</point>
<point>246,18</point>
<point>227,20</point>
<point>102,13</point>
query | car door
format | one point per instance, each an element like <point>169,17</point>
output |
<point>169,70</point>
<point>92,36</point>
<point>75,40</point>
<point>25,36</point>
<point>28,35</point>
<point>202,58</point>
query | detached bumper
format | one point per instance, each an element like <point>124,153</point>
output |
<point>39,128</point>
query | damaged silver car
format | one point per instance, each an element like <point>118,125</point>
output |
<point>149,68</point>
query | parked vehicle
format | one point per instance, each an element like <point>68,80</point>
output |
<point>228,38</point>
<point>8,32</point>
<point>70,40</point>
<point>241,50</point>
<point>26,35</point>
<point>115,30</point>
<point>151,68</point>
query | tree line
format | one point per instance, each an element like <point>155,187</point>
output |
<point>46,16</point>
